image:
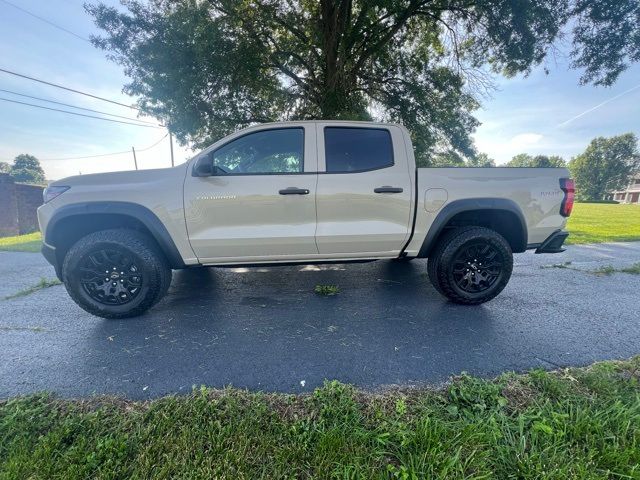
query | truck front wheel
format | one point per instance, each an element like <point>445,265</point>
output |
<point>471,265</point>
<point>115,273</point>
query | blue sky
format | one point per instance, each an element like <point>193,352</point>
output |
<point>530,114</point>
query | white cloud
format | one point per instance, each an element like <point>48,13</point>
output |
<point>525,140</point>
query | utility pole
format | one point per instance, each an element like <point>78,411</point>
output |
<point>171,146</point>
<point>135,161</point>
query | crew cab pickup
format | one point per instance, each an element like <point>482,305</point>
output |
<point>298,192</point>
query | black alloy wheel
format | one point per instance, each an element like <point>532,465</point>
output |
<point>118,273</point>
<point>477,266</point>
<point>110,276</point>
<point>470,265</point>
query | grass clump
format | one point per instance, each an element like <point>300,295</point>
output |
<point>327,290</point>
<point>573,423</point>
<point>31,242</point>
<point>632,270</point>
<point>43,283</point>
<point>597,223</point>
<point>609,270</point>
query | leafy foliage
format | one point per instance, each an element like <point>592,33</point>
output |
<point>5,167</point>
<point>539,161</point>
<point>207,68</point>
<point>606,39</point>
<point>574,423</point>
<point>26,168</point>
<point>606,165</point>
<point>326,290</point>
<point>481,160</point>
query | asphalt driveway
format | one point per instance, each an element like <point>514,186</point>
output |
<point>266,329</point>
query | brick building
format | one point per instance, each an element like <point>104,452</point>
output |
<point>18,204</point>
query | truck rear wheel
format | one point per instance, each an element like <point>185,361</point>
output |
<point>471,265</point>
<point>116,273</point>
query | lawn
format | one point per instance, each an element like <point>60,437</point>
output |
<point>601,222</point>
<point>30,242</point>
<point>574,423</point>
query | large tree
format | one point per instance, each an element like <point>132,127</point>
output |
<point>538,161</point>
<point>207,68</point>
<point>481,160</point>
<point>26,168</point>
<point>605,166</point>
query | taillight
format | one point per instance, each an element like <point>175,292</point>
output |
<point>568,187</point>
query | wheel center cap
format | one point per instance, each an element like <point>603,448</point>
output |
<point>115,276</point>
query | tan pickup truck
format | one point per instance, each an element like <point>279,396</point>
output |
<point>298,192</point>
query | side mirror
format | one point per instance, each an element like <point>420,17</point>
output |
<point>203,167</point>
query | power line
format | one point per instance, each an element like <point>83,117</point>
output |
<point>153,145</point>
<point>78,114</point>
<point>74,106</point>
<point>66,88</point>
<point>46,21</point>
<point>107,154</point>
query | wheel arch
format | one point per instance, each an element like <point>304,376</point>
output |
<point>71,222</point>
<point>499,214</point>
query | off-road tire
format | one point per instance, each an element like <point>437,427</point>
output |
<point>441,264</point>
<point>143,252</point>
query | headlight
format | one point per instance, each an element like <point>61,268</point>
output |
<point>52,192</point>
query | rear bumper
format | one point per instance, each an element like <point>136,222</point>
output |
<point>553,243</point>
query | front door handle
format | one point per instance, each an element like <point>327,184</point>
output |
<point>294,191</point>
<point>388,189</point>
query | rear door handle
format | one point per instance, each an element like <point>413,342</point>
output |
<point>294,191</point>
<point>388,189</point>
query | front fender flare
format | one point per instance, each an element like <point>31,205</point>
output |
<point>136,211</point>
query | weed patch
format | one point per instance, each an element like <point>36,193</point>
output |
<point>43,283</point>
<point>572,423</point>
<point>327,290</point>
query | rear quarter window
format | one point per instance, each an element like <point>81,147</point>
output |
<point>349,149</point>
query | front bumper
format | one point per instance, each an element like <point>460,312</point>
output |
<point>50,255</point>
<point>553,243</point>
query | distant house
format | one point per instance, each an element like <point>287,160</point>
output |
<point>631,194</point>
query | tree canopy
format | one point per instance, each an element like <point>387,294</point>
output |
<point>538,161</point>
<point>208,68</point>
<point>26,168</point>
<point>481,160</point>
<point>605,166</point>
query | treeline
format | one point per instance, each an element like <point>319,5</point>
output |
<point>25,169</point>
<point>607,164</point>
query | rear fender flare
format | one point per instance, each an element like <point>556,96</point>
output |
<point>467,205</point>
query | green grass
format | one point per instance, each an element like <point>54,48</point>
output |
<point>43,283</point>
<point>326,290</point>
<point>597,223</point>
<point>30,242</point>
<point>633,269</point>
<point>571,424</point>
<point>609,270</point>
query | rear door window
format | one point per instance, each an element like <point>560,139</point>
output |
<point>349,149</point>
